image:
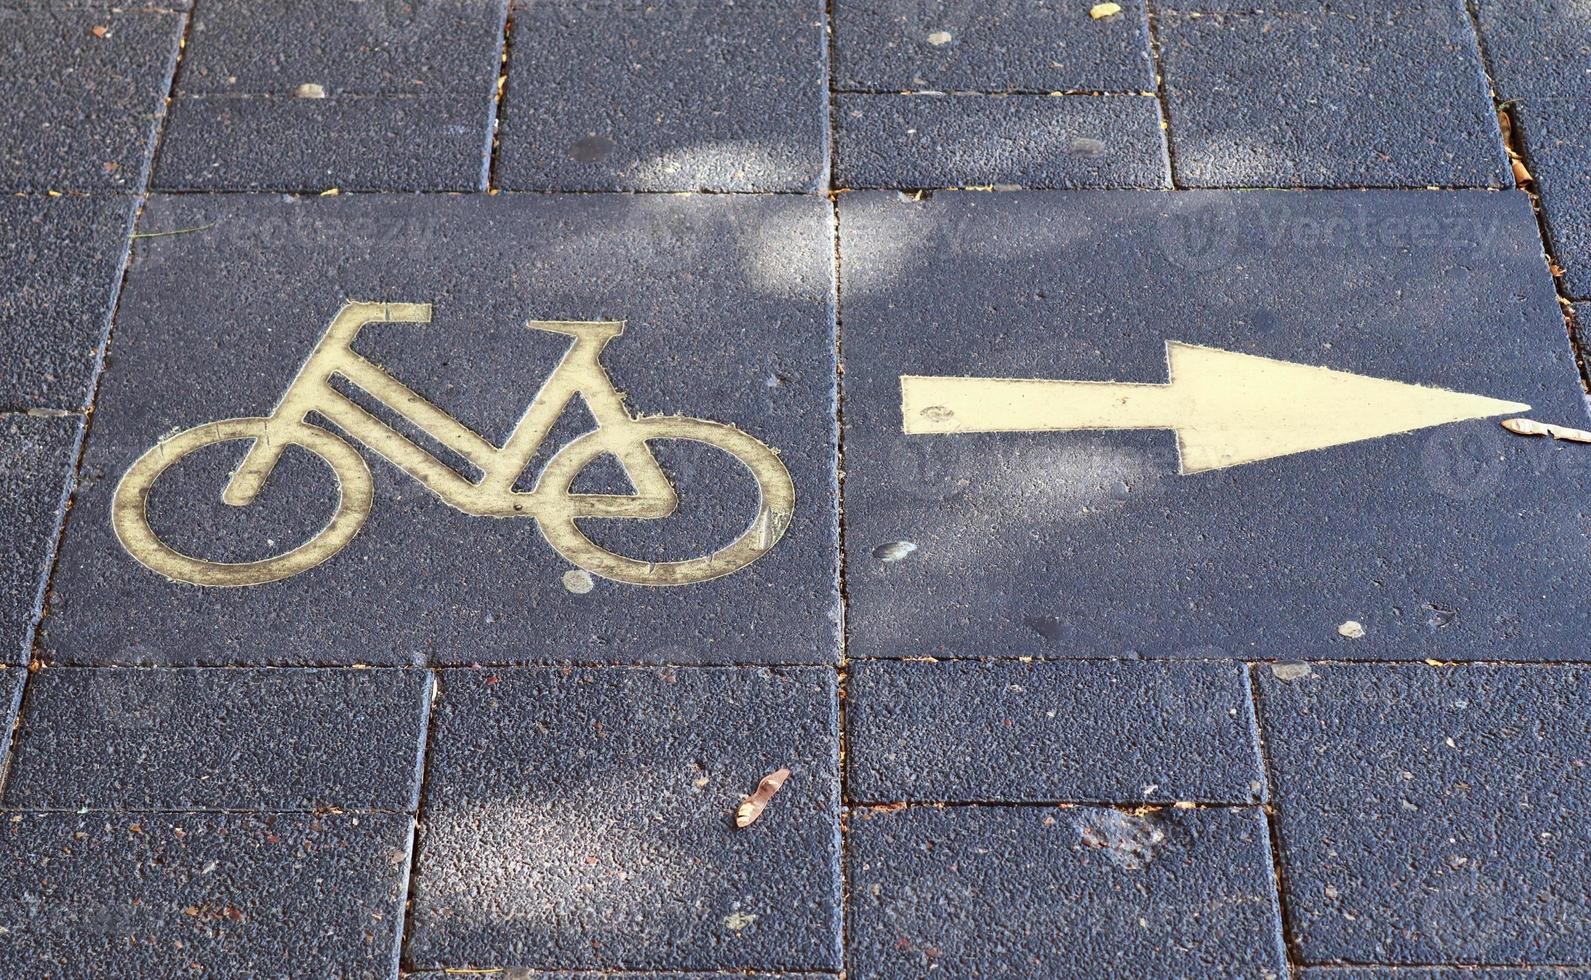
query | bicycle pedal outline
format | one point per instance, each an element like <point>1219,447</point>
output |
<point>555,509</point>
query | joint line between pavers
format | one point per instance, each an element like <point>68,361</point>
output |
<point>1292,951</point>
<point>405,913</point>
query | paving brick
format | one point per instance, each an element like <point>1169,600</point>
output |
<point>220,738</point>
<point>60,267</point>
<point>1001,46</point>
<point>1540,49</point>
<point>1395,98</point>
<point>730,317</point>
<point>36,457</point>
<point>82,107</point>
<point>253,143</point>
<point>1038,891</point>
<point>117,895</point>
<point>584,818</point>
<point>1431,815</point>
<point>1557,144</point>
<point>1438,973</point>
<point>11,682</point>
<point>1032,141</point>
<point>517,974</point>
<point>1061,732</point>
<point>717,96</point>
<point>1091,543</point>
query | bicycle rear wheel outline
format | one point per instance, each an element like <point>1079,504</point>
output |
<point>130,519</point>
<point>562,533</point>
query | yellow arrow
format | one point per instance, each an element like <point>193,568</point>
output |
<point>1227,409</point>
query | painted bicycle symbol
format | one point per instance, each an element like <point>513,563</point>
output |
<point>555,509</point>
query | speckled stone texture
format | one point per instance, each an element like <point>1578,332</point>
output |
<point>82,105</point>
<point>1390,98</point>
<point>998,46</point>
<point>1050,732</point>
<point>585,819</point>
<point>216,894</point>
<point>60,268</point>
<point>220,738</point>
<point>36,458</point>
<point>1540,49</point>
<point>1062,544</point>
<point>1432,814</point>
<point>1044,892</point>
<point>1557,143</point>
<point>1081,141</point>
<point>716,95</point>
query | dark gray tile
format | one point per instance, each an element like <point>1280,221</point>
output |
<point>1540,49</point>
<point>1395,98</point>
<point>1027,140</point>
<point>584,818</point>
<point>1557,145</point>
<point>60,267</point>
<point>36,457</point>
<point>11,681</point>
<point>1061,732</point>
<point>1066,543</point>
<point>232,895</point>
<point>284,143</point>
<point>84,92</point>
<point>716,95</point>
<point>375,46</point>
<point>1006,45</point>
<point>1432,815</point>
<point>1438,973</point>
<point>220,738</point>
<point>519,974</point>
<point>730,317</point>
<point>1039,891</point>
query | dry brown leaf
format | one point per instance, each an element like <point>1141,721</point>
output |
<point>752,808</point>
<point>1530,427</point>
<point>98,30</point>
<point>1521,174</point>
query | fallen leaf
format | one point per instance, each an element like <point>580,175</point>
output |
<point>1521,174</point>
<point>1100,11</point>
<point>752,808</point>
<point>332,192</point>
<point>98,30</point>
<point>310,90</point>
<point>1530,427</point>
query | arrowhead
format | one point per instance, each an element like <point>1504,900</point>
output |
<point>1239,408</point>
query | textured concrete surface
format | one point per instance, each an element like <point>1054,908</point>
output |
<point>1432,814</point>
<point>1393,98</point>
<point>84,91</point>
<point>585,819</point>
<point>12,680</point>
<point>729,306</point>
<point>1061,732</point>
<point>1557,138</point>
<point>716,96</point>
<point>1537,50</point>
<point>60,267</point>
<point>230,895</point>
<point>1042,892</point>
<point>1090,543</point>
<point>1000,46</point>
<point>36,458</point>
<point>1077,141</point>
<point>220,738</point>
<point>1439,973</point>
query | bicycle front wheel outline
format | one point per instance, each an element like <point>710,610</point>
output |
<point>130,519</point>
<point>558,523</point>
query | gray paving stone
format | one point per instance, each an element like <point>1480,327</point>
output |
<point>1002,46</point>
<point>1397,98</point>
<point>12,680</point>
<point>82,108</point>
<point>232,895</point>
<point>1437,973</point>
<point>1032,141</point>
<point>1039,891</point>
<point>583,818</point>
<point>373,47</point>
<point>1540,49</point>
<point>730,316</point>
<point>283,143</point>
<point>517,974</point>
<point>1050,732</point>
<point>1432,815</point>
<point>717,95</point>
<point>1557,144</point>
<point>36,457</point>
<point>1058,544</point>
<point>60,267</point>
<point>220,738</point>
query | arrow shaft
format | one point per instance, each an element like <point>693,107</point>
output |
<point>945,405</point>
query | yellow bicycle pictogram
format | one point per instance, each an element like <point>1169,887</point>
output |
<point>550,502</point>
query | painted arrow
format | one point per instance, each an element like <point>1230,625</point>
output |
<point>1227,408</point>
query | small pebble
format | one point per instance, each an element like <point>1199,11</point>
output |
<point>578,581</point>
<point>1352,629</point>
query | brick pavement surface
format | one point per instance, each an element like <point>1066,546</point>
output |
<point>506,609</point>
